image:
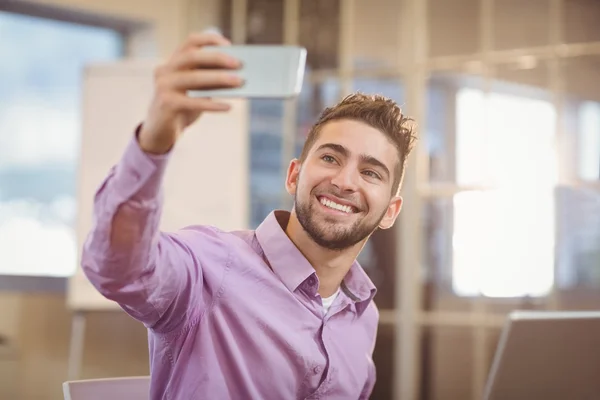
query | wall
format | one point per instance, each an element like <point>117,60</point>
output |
<point>115,344</point>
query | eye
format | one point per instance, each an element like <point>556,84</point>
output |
<point>328,158</point>
<point>372,174</point>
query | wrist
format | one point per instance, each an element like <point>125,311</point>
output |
<point>150,144</point>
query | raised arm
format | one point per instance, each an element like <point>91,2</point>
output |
<point>158,278</point>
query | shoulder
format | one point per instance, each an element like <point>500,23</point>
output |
<point>200,238</point>
<point>208,231</point>
<point>370,323</point>
<point>369,320</point>
<point>371,315</point>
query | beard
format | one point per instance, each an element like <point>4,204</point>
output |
<point>328,234</point>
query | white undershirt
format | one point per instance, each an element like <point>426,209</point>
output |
<point>328,301</point>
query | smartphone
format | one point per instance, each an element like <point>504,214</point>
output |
<point>270,71</point>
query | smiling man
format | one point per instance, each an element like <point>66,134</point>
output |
<point>282,312</point>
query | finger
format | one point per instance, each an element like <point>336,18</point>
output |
<point>197,58</point>
<point>203,79</point>
<point>205,39</point>
<point>201,104</point>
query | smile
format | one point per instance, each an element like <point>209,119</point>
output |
<point>336,206</point>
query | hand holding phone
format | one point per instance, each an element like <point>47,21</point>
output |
<point>269,71</point>
<point>191,67</point>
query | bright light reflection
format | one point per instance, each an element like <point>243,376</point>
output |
<point>503,239</point>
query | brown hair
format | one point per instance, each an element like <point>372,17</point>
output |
<point>378,112</point>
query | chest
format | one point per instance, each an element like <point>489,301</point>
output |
<point>272,332</point>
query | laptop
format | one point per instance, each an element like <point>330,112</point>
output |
<point>547,355</point>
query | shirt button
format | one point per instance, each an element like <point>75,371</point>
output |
<point>317,370</point>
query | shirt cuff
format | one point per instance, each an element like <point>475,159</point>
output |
<point>139,174</point>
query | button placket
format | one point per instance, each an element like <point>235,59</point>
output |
<point>326,380</point>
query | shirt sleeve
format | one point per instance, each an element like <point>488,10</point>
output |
<point>161,279</point>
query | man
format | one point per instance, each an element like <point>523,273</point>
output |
<point>283,312</point>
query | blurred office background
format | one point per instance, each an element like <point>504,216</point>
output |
<point>502,197</point>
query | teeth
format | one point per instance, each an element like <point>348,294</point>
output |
<point>336,206</point>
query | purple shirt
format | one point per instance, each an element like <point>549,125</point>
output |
<point>230,315</point>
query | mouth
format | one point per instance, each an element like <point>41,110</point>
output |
<point>337,206</point>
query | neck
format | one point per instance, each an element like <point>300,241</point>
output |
<point>331,266</point>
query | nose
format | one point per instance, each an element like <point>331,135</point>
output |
<point>345,179</point>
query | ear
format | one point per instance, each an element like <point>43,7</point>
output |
<point>291,180</point>
<point>392,213</point>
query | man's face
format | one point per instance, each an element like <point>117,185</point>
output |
<point>343,190</point>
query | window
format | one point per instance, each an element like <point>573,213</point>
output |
<point>266,174</point>
<point>503,238</point>
<point>589,141</point>
<point>41,68</point>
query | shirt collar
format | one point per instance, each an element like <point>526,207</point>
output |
<point>290,265</point>
<point>358,287</point>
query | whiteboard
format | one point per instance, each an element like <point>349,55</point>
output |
<point>207,177</point>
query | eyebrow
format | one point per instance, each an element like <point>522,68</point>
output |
<point>365,158</point>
